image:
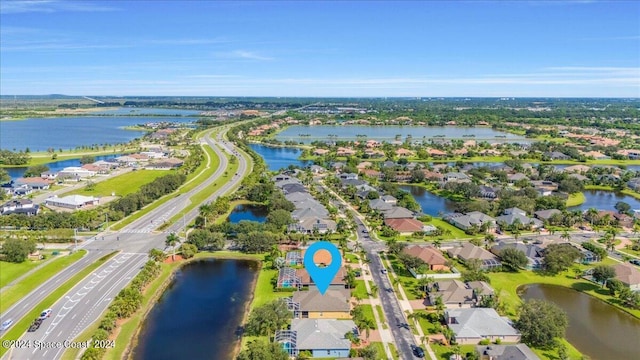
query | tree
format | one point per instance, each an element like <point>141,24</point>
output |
<point>266,319</point>
<point>623,207</point>
<point>87,159</point>
<point>369,353</point>
<point>206,210</point>
<point>279,218</point>
<point>559,257</point>
<point>188,250</point>
<point>171,241</point>
<point>261,350</point>
<point>513,259</point>
<point>156,255</point>
<point>4,176</point>
<point>17,250</point>
<point>540,323</point>
<point>35,171</point>
<point>602,273</point>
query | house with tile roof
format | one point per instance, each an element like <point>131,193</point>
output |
<point>470,326</point>
<point>333,304</point>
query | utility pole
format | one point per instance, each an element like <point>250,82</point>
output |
<point>106,219</point>
<point>75,238</point>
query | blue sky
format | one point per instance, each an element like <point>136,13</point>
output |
<point>321,48</point>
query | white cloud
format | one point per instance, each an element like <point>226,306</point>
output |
<point>243,55</point>
<point>50,6</point>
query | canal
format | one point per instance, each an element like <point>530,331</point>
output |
<point>596,328</point>
<point>198,315</point>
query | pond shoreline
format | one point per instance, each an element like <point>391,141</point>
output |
<point>133,342</point>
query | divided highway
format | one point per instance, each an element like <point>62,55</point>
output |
<point>84,303</point>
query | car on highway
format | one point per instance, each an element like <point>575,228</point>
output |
<point>417,351</point>
<point>5,324</point>
<point>35,325</point>
<point>45,314</point>
<point>384,271</point>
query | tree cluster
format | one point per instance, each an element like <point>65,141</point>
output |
<point>540,323</point>
<point>266,319</point>
<point>148,193</point>
<point>14,158</point>
<point>559,257</point>
<point>17,250</point>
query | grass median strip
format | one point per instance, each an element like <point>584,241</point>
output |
<point>17,291</point>
<point>16,331</point>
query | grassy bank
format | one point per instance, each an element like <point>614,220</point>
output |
<point>22,325</point>
<point>39,158</point>
<point>576,199</point>
<point>17,291</point>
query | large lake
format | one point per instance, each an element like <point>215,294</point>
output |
<point>431,204</point>
<point>198,316</point>
<point>388,133</point>
<point>127,111</point>
<point>606,200</point>
<point>278,158</point>
<point>70,132</point>
<point>597,329</point>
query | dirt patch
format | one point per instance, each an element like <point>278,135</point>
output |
<point>170,259</point>
<point>418,304</point>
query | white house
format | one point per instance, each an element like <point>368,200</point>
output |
<point>77,172</point>
<point>72,201</point>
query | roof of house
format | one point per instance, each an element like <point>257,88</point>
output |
<point>305,278</point>
<point>298,197</point>
<point>517,177</point>
<point>472,218</point>
<point>379,204</point>
<point>523,219</point>
<point>546,214</point>
<point>507,352</point>
<point>388,198</point>
<point>627,273</point>
<point>398,212</point>
<point>470,251</point>
<point>404,225</point>
<point>530,250</point>
<point>577,168</point>
<point>308,212</point>
<point>456,291</point>
<point>293,188</point>
<point>332,300</point>
<point>75,200</point>
<point>322,334</point>
<point>479,323</point>
<point>427,254</point>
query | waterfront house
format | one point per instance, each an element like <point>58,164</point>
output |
<point>336,283</point>
<point>77,172</point>
<point>311,224</point>
<point>533,252</point>
<point>545,215</point>
<point>628,275</point>
<point>514,215</point>
<point>469,220</point>
<point>323,338</point>
<point>472,325</point>
<point>19,206</point>
<point>556,155</point>
<point>405,226</point>
<point>333,304</point>
<point>320,152</point>
<point>49,175</point>
<point>397,212</point>
<point>35,183</point>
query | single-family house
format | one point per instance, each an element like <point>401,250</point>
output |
<point>397,212</point>
<point>292,188</point>
<point>430,255</point>
<point>320,152</point>
<point>77,172</point>
<point>634,184</point>
<point>456,177</point>
<point>456,294</point>
<point>72,201</point>
<point>628,275</point>
<point>379,205</point>
<point>556,155</point>
<point>488,192</point>
<point>35,183</point>
<point>19,206</point>
<point>49,175</point>
<point>342,151</point>
<point>317,169</point>
<point>514,215</point>
<point>533,252</point>
<point>323,338</point>
<point>348,176</point>
<point>404,152</point>
<point>333,304</point>
<point>469,251</point>
<point>311,224</point>
<point>505,352</point>
<point>405,226</point>
<point>514,178</point>
<point>577,169</point>
<point>165,164</point>
<point>545,215</point>
<point>469,220</point>
<point>472,325</point>
<point>337,281</point>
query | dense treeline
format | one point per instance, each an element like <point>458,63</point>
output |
<point>125,304</point>
<point>148,193</point>
<point>14,158</point>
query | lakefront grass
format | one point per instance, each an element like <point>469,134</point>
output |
<point>576,199</point>
<point>17,291</point>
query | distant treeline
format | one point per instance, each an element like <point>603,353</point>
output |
<point>14,158</point>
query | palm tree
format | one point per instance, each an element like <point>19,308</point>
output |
<point>206,210</point>
<point>374,290</point>
<point>591,214</point>
<point>171,241</point>
<point>565,235</point>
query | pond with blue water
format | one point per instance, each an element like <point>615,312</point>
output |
<point>248,212</point>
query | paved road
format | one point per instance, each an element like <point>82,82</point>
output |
<point>88,299</point>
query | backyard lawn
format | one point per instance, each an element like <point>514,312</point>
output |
<point>360,291</point>
<point>123,184</point>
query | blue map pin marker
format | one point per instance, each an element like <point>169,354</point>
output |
<point>322,276</point>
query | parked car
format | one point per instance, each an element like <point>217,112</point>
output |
<point>45,314</point>
<point>635,262</point>
<point>5,324</point>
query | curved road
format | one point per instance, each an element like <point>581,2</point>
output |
<point>84,303</point>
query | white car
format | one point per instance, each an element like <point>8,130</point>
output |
<point>5,325</point>
<point>45,314</point>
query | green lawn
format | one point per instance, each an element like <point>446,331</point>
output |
<point>576,199</point>
<point>24,287</point>
<point>455,232</point>
<point>408,282</point>
<point>22,325</point>
<point>394,351</point>
<point>382,355</point>
<point>367,310</point>
<point>10,271</point>
<point>360,291</point>
<point>123,184</point>
<point>383,320</point>
<point>351,258</point>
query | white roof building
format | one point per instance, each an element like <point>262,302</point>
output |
<point>72,201</point>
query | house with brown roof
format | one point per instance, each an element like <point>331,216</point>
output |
<point>405,226</point>
<point>469,251</point>
<point>342,151</point>
<point>430,255</point>
<point>457,294</point>
<point>333,304</point>
<point>306,280</point>
<point>404,152</point>
<point>372,153</point>
<point>628,275</point>
<point>320,152</point>
<point>436,153</point>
